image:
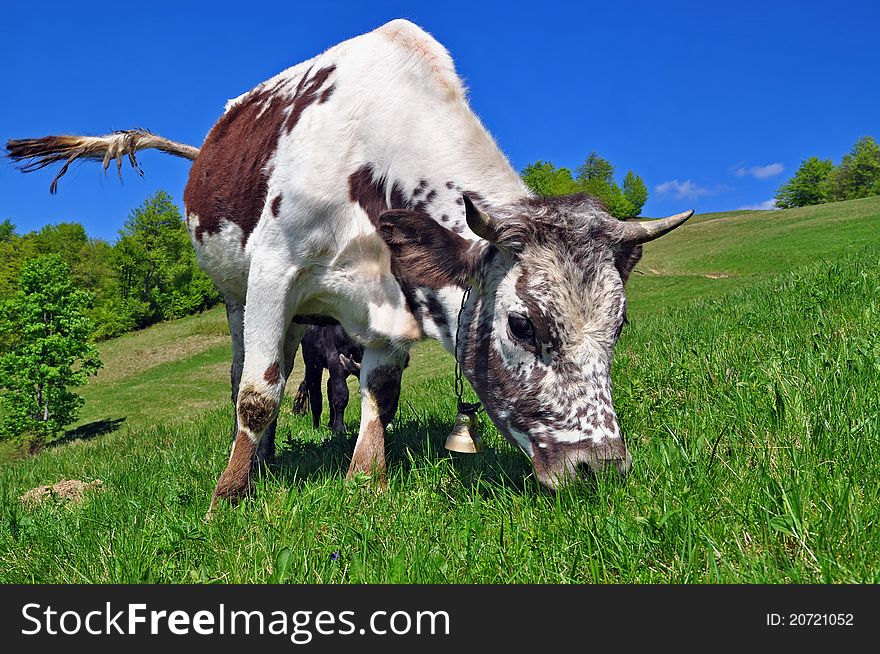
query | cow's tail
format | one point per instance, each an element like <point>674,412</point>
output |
<point>301,401</point>
<point>48,150</point>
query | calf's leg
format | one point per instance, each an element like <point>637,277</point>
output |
<point>313,382</point>
<point>337,394</point>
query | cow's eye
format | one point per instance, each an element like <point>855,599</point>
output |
<point>521,327</point>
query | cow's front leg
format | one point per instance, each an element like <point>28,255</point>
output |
<point>381,371</point>
<point>269,307</point>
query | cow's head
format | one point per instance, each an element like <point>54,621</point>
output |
<point>545,310</point>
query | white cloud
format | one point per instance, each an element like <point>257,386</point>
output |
<point>686,190</point>
<point>760,206</point>
<point>760,172</point>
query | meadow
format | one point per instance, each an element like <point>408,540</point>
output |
<point>747,384</point>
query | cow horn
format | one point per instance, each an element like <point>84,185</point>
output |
<point>647,230</point>
<point>479,221</point>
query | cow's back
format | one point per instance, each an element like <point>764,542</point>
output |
<point>304,163</point>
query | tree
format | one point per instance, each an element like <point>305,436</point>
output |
<point>808,186</point>
<point>635,191</point>
<point>7,231</point>
<point>48,352</point>
<point>594,177</point>
<point>546,180</point>
<point>610,195</point>
<point>155,263</point>
<point>858,175</point>
<point>595,169</point>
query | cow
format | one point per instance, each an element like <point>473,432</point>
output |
<point>359,188</point>
<point>329,348</point>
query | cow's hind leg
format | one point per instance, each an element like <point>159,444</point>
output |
<point>266,321</point>
<point>235,318</point>
<point>381,371</point>
<point>266,450</point>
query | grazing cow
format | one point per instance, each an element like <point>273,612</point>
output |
<point>358,187</point>
<point>332,349</point>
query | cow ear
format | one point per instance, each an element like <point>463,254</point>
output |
<point>423,252</point>
<point>625,259</point>
<point>349,365</point>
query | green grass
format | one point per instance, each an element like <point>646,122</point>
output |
<point>753,413</point>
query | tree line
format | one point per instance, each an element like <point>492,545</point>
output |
<point>818,180</point>
<point>595,177</point>
<point>148,275</point>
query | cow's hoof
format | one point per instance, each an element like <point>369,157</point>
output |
<point>231,488</point>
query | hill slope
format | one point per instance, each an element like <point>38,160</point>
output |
<point>717,252</point>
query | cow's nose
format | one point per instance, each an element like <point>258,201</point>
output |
<point>554,467</point>
<point>611,454</point>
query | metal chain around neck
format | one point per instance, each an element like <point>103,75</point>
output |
<point>463,407</point>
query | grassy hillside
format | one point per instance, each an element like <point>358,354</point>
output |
<point>752,406</point>
<point>718,252</point>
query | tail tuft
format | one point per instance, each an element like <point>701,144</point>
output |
<point>41,152</point>
<point>301,401</point>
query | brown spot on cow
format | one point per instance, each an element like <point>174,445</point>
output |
<point>276,205</point>
<point>369,455</point>
<point>255,409</point>
<point>326,93</point>
<point>235,482</point>
<point>229,179</point>
<point>369,193</point>
<point>272,374</point>
<point>437,313</point>
<point>609,422</point>
<point>307,93</point>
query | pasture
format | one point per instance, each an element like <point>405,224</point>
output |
<point>747,384</point>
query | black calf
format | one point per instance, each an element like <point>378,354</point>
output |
<point>331,348</point>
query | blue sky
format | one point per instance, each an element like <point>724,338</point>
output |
<point>713,104</point>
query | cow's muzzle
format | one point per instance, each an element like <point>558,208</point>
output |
<point>560,463</point>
